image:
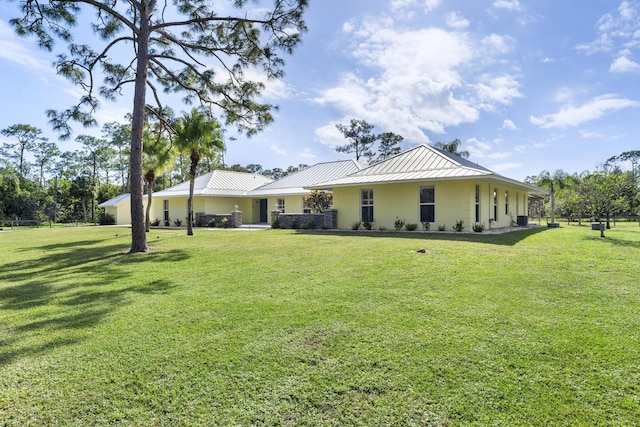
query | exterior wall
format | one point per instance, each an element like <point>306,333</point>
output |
<point>292,204</point>
<point>201,204</point>
<point>122,212</point>
<point>454,201</point>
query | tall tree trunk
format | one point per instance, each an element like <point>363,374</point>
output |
<point>147,221</point>
<point>138,234</point>
<point>192,181</point>
<point>195,159</point>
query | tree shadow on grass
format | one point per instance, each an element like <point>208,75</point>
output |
<point>509,238</point>
<point>63,291</point>
<point>616,241</point>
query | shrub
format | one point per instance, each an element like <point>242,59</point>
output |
<point>276,224</point>
<point>459,226</point>
<point>411,227</point>
<point>382,228</point>
<point>318,201</point>
<point>426,226</point>
<point>167,222</point>
<point>367,225</point>
<point>355,225</point>
<point>225,223</point>
<point>398,224</point>
<point>177,222</point>
<point>155,222</point>
<point>106,219</point>
<point>478,227</point>
<point>442,227</point>
<point>211,223</point>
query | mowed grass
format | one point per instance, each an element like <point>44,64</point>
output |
<point>537,327</point>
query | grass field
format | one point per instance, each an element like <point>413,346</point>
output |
<point>537,327</point>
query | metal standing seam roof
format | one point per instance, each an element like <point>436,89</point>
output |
<point>420,163</point>
<point>115,201</point>
<point>217,183</point>
<point>297,182</point>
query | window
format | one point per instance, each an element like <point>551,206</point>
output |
<point>495,204</point>
<point>506,203</point>
<point>166,210</point>
<point>280,205</point>
<point>366,207</point>
<point>427,204</point>
<point>477,203</point>
<point>305,207</point>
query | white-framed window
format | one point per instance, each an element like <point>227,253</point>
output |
<point>366,205</point>
<point>280,206</point>
<point>495,204</point>
<point>477,203</point>
<point>506,203</point>
<point>305,207</point>
<point>165,205</point>
<point>427,204</point>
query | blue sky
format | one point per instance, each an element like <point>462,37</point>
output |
<point>525,85</point>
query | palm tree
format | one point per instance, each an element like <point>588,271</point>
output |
<point>553,181</point>
<point>197,135</point>
<point>157,155</point>
<point>452,147</point>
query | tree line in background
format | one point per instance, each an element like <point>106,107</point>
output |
<point>68,186</point>
<point>610,192</point>
<point>40,183</point>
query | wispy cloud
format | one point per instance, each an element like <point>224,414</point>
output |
<point>572,116</point>
<point>412,80</point>
<point>509,125</point>
<point>508,4</point>
<point>12,50</point>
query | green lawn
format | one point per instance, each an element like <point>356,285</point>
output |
<point>537,327</point>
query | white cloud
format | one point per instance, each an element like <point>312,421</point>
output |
<point>497,90</point>
<point>504,167</point>
<point>572,116</point>
<point>409,81</point>
<point>279,151</point>
<point>591,134</point>
<point>508,4</point>
<point>428,5</point>
<point>509,125</point>
<point>456,20</point>
<point>624,65</point>
<point>12,50</point>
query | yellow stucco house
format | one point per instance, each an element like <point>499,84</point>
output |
<point>423,185</point>
<point>428,185</point>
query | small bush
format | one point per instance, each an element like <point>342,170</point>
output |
<point>411,227</point>
<point>276,224</point>
<point>382,228</point>
<point>177,222</point>
<point>355,225</point>
<point>398,224</point>
<point>167,222</point>
<point>106,219</point>
<point>459,226</point>
<point>225,223</point>
<point>367,225</point>
<point>478,227</point>
<point>155,222</point>
<point>442,227</point>
<point>212,223</point>
<point>426,226</point>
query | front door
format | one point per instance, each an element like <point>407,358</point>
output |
<point>263,210</point>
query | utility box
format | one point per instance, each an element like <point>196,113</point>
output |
<point>522,220</point>
<point>596,226</point>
